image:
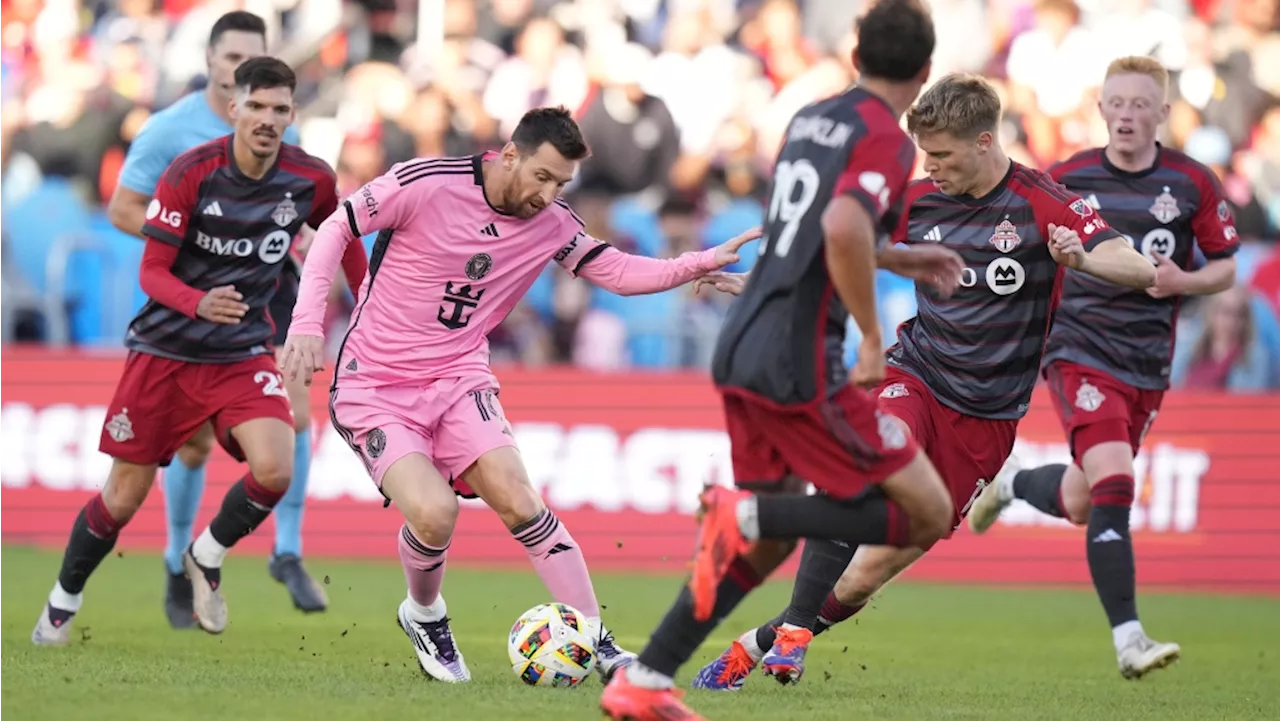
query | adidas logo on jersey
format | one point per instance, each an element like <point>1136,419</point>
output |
<point>213,209</point>
<point>934,235</point>
<point>489,230</point>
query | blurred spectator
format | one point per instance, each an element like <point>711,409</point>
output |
<point>1222,351</point>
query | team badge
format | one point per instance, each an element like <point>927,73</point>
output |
<point>1224,211</point>
<point>1165,209</point>
<point>894,390</point>
<point>479,266</point>
<point>375,443</point>
<point>1006,237</point>
<point>120,428</point>
<point>1089,398</point>
<point>1081,208</point>
<point>286,212</point>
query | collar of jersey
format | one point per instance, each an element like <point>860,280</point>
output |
<point>1122,173</point>
<point>996,191</point>
<point>477,165</point>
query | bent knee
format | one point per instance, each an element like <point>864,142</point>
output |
<point>274,473</point>
<point>195,452</point>
<point>856,586</point>
<point>933,521</point>
<point>432,523</point>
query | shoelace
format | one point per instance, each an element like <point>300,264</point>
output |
<point>789,640</point>
<point>606,647</point>
<point>442,637</point>
<point>737,666</point>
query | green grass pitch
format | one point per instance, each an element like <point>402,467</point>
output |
<point>921,652</point>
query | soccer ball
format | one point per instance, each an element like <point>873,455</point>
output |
<point>552,645</point>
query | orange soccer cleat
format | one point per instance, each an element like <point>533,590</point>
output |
<point>719,542</point>
<point>624,701</point>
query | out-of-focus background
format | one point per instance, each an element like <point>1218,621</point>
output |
<point>683,102</point>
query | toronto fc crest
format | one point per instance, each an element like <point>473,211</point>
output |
<point>120,428</point>
<point>1165,209</point>
<point>1006,236</point>
<point>1089,398</point>
<point>286,212</point>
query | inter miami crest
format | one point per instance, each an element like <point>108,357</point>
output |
<point>479,266</point>
<point>375,443</point>
<point>1165,209</point>
<point>286,212</point>
<point>1006,236</point>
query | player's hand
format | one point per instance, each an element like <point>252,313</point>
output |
<point>222,305</point>
<point>1170,279</point>
<point>936,266</point>
<point>869,370</point>
<point>731,283</point>
<point>727,252</point>
<point>1065,246</point>
<point>303,356</point>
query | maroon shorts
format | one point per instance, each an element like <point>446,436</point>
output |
<point>159,403</point>
<point>844,445</point>
<point>1096,407</point>
<point>967,451</point>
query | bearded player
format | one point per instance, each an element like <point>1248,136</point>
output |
<point>460,240</point>
<point>1108,356</point>
<point>964,368</point>
<point>193,120</point>
<point>199,350</point>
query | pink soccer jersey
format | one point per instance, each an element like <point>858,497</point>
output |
<point>448,267</point>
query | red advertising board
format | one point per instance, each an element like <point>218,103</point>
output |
<point>620,457</point>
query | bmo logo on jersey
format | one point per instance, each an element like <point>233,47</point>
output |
<point>273,248</point>
<point>1004,276</point>
<point>1160,241</point>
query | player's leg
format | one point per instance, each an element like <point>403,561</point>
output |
<point>183,482</point>
<point>397,456</point>
<point>285,564</point>
<point>1056,489</point>
<point>147,421</point>
<point>253,423</point>
<point>648,684</point>
<point>498,477</point>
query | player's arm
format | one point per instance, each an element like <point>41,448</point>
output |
<point>1080,239</point>
<point>627,274</point>
<point>1214,226</point>
<point>926,263</point>
<point>354,263</point>
<point>851,261</point>
<point>149,156</point>
<point>165,230</point>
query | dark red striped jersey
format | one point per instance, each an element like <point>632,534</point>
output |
<point>229,230</point>
<point>1165,210</point>
<point>979,351</point>
<point>782,339</point>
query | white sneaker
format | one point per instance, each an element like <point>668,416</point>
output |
<point>438,655</point>
<point>610,656</point>
<point>1140,655</point>
<point>995,497</point>
<point>48,633</point>
<point>206,594</point>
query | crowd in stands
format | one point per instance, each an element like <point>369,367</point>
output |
<point>682,101</point>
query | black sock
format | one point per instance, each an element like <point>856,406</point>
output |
<point>821,565</point>
<point>679,635</point>
<point>831,613</point>
<point>1110,548</point>
<point>244,508</point>
<point>872,520</point>
<point>1042,488</point>
<point>92,537</point>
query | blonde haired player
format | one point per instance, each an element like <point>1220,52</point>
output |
<point>1108,357</point>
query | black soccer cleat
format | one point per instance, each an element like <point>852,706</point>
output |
<point>178,600</point>
<point>307,595</point>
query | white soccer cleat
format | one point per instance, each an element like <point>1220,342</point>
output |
<point>49,633</point>
<point>995,497</point>
<point>610,656</point>
<point>438,654</point>
<point>1140,655</point>
<point>206,594</point>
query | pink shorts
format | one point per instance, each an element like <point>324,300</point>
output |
<point>451,421</point>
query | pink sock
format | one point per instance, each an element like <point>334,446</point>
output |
<point>423,567</point>
<point>559,562</point>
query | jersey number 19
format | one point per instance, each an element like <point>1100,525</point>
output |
<point>785,208</point>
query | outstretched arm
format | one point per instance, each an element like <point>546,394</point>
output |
<point>627,274</point>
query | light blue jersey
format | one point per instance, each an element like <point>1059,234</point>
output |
<point>171,132</point>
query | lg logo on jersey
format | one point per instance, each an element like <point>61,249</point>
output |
<point>1004,276</point>
<point>171,218</point>
<point>273,248</point>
